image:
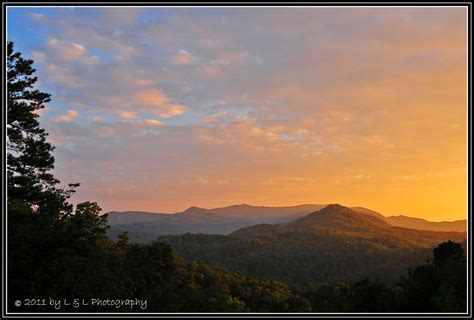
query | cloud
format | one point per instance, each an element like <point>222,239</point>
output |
<point>242,134</point>
<point>116,191</point>
<point>159,103</point>
<point>68,117</point>
<point>127,114</point>
<point>154,122</point>
<point>182,57</point>
<point>325,97</point>
<point>37,16</point>
<point>69,51</point>
<point>215,118</point>
<point>212,71</point>
<point>153,97</point>
<point>172,110</point>
<point>120,18</point>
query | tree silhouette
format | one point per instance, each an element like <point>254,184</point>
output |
<point>45,235</point>
<point>29,158</point>
<point>448,253</point>
<point>439,285</point>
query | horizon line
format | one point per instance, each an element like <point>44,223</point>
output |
<point>285,206</point>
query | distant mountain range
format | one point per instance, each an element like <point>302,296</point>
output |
<point>146,226</point>
<point>335,243</point>
<point>421,224</point>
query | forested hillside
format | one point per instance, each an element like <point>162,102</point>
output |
<point>335,243</point>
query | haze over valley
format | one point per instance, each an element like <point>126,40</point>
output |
<point>299,244</point>
<point>146,226</point>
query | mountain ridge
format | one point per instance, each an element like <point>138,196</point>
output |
<point>147,226</point>
<point>422,224</point>
<point>337,219</point>
<point>338,216</point>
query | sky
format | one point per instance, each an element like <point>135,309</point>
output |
<point>160,108</point>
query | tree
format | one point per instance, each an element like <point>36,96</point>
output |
<point>45,236</point>
<point>372,296</point>
<point>448,253</point>
<point>439,285</point>
<point>29,157</point>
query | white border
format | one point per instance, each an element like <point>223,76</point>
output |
<point>6,6</point>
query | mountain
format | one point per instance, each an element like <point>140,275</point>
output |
<point>335,216</point>
<point>146,226</point>
<point>335,243</point>
<point>369,212</point>
<point>416,223</point>
<point>126,217</point>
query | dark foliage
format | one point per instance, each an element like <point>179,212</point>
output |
<point>303,256</point>
<point>440,284</point>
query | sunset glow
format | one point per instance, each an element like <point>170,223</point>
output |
<point>160,109</point>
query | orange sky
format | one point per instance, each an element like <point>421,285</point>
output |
<point>160,110</point>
